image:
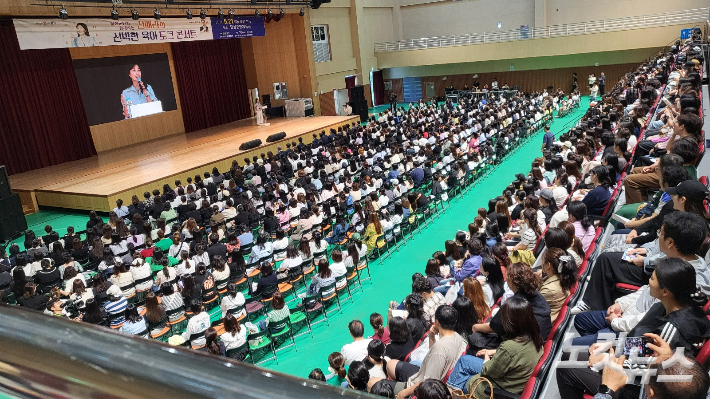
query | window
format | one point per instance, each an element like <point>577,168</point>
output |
<point>321,45</point>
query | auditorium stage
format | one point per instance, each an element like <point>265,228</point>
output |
<point>96,183</point>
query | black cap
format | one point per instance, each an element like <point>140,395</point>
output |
<point>692,189</point>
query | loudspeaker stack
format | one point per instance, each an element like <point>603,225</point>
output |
<point>12,218</point>
<point>358,102</point>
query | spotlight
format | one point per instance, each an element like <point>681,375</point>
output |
<point>282,13</point>
<point>269,14</point>
<point>220,14</point>
<point>134,15</point>
<point>114,14</point>
<point>188,14</point>
<point>63,14</point>
<point>257,13</point>
<point>203,14</point>
<point>231,13</point>
<point>253,2</point>
<point>156,14</point>
<point>302,12</point>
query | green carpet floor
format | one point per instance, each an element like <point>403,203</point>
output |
<point>391,279</point>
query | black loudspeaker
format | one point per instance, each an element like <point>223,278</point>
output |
<point>275,137</point>
<point>250,144</point>
<point>12,218</point>
<point>317,3</point>
<point>357,93</point>
<point>266,99</point>
<point>4,183</point>
<point>359,107</point>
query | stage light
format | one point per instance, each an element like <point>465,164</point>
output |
<point>270,14</point>
<point>156,14</point>
<point>203,14</point>
<point>231,13</point>
<point>134,15</point>
<point>114,14</point>
<point>188,14</point>
<point>282,13</point>
<point>253,2</point>
<point>220,14</point>
<point>257,13</point>
<point>63,14</point>
<point>302,12</point>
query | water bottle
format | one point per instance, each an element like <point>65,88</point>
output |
<point>128,106</point>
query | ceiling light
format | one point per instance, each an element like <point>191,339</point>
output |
<point>188,14</point>
<point>282,13</point>
<point>134,14</point>
<point>257,13</point>
<point>220,14</point>
<point>114,14</point>
<point>203,14</point>
<point>302,12</point>
<point>63,14</point>
<point>231,13</point>
<point>156,14</point>
<point>269,14</point>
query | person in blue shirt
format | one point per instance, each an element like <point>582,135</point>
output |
<point>597,199</point>
<point>417,175</point>
<point>548,138</point>
<point>137,93</point>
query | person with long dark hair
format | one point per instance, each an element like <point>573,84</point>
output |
<point>212,345</point>
<point>514,359</point>
<point>134,323</point>
<point>597,198</point>
<point>491,280</point>
<point>676,317</point>
<point>401,343</point>
<point>584,230</point>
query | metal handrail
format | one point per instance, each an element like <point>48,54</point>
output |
<point>53,357</point>
<point>544,32</point>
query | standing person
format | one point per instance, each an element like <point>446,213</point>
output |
<point>548,138</point>
<point>137,93</point>
<point>575,85</point>
<point>348,109</point>
<point>602,83</point>
<point>259,112</point>
<point>393,102</point>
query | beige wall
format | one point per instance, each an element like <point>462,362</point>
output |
<point>558,46</point>
<point>568,11</point>
<point>467,16</point>
<point>331,75</point>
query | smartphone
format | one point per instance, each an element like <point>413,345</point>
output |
<point>638,343</point>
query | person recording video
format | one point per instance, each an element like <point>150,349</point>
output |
<point>138,93</point>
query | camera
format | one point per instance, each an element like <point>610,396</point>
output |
<point>72,307</point>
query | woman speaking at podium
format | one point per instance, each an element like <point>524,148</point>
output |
<point>137,93</point>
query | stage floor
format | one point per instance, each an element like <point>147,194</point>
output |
<point>96,183</point>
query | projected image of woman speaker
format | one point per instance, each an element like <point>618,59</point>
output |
<point>138,92</point>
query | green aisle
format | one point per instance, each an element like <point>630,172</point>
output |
<point>391,280</point>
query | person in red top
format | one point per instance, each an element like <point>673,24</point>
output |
<point>381,333</point>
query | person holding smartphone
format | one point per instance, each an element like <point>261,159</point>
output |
<point>676,318</point>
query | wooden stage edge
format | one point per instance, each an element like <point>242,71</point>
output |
<point>96,183</point>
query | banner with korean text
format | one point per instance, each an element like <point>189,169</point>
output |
<point>56,33</point>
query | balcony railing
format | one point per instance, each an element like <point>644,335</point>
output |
<point>580,28</point>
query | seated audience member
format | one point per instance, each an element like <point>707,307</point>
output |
<point>358,376</point>
<point>278,313</point>
<point>323,278</point>
<point>401,342</point>
<point>509,367</point>
<point>584,230</point>
<point>473,290</point>
<point>232,300</point>
<point>442,356</point>
<point>676,317</point>
<point>234,335</point>
<point>432,299</point>
<point>381,332</point>
<point>491,281</point>
<point>524,283</point>
<point>682,235</point>
<point>338,371</point>
<point>559,273</point>
<point>115,306</point>
<point>375,359</point>
<point>199,323</point>
<point>268,279</point>
<point>382,388</point>
<point>356,350</point>
<point>597,198</point>
<point>317,374</point>
<point>31,300</point>
<point>432,389</point>
<point>212,345</point>
<point>135,323</point>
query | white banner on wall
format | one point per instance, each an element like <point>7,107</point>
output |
<point>56,33</point>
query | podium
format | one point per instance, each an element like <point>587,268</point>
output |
<point>138,110</point>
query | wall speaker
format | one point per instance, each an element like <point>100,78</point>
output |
<point>276,137</point>
<point>12,218</point>
<point>357,93</point>
<point>250,144</point>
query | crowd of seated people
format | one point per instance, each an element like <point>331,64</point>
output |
<point>492,294</point>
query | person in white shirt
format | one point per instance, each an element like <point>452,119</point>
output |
<point>233,299</point>
<point>178,246</point>
<point>235,334</point>
<point>356,350</point>
<point>199,323</point>
<point>141,270</point>
<point>338,268</point>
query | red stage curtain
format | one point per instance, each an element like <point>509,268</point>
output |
<point>211,82</point>
<point>378,87</point>
<point>349,84</point>
<point>42,118</point>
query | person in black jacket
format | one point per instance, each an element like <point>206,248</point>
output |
<point>216,248</point>
<point>47,278</point>
<point>31,299</point>
<point>268,278</point>
<point>677,319</point>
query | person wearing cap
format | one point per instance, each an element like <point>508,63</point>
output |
<point>566,149</point>
<point>690,196</point>
<point>548,206</point>
<point>116,305</point>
